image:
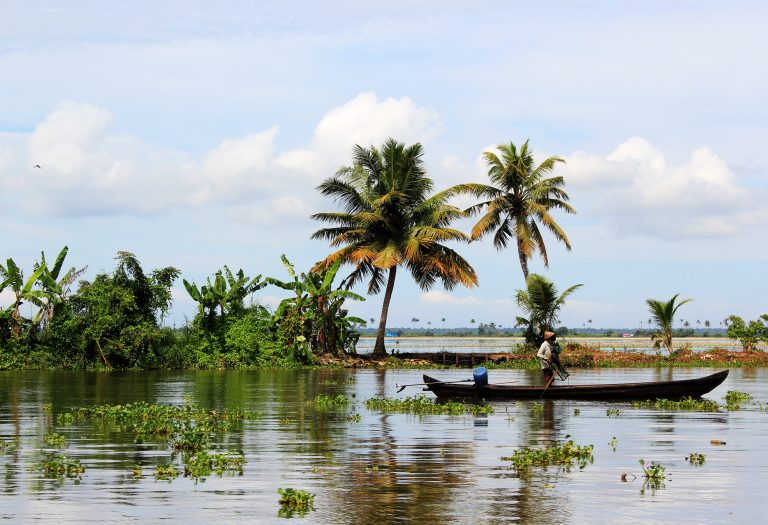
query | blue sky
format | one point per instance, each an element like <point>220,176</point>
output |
<point>193,134</point>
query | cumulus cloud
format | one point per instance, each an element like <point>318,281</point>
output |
<point>639,191</point>
<point>89,170</point>
<point>364,120</point>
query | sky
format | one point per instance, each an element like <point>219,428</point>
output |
<point>193,134</point>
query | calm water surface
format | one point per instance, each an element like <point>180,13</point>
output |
<point>504,344</point>
<point>385,468</point>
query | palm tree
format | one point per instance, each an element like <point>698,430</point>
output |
<point>542,304</point>
<point>389,220</point>
<point>519,200</point>
<point>663,313</point>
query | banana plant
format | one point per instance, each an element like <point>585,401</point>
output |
<point>318,304</point>
<point>13,278</point>
<point>56,290</point>
<point>226,291</point>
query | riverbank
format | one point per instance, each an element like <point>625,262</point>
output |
<point>574,356</point>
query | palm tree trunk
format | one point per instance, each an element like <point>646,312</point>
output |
<point>378,349</point>
<point>523,258</point>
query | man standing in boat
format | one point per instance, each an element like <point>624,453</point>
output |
<point>545,357</point>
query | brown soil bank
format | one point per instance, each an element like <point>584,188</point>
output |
<point>574,356</point>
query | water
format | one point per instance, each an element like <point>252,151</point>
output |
<point>506,344</point>
<point>386,468</point>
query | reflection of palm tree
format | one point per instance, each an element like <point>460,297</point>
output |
<point>519,199</point>
<point>389,220</point>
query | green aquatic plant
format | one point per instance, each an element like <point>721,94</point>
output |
<point>613,412</point>
<point>65,418</point>
<point>204,463</point>
<point>563,454</point>
<point>700,405</point>
<point>326,401</point>
<point>576,412</point>
<point>652,471</point>
<point>329,382</point>
<point>136,471</point>
<point>295,501</point>
<point>191,439</point>
<point>424,405</point>
<point>613,442</point>
<point>166,472</point>
<point>734,399</point>
<point>8,444</point>
<point>55,440</point>
<point>696,458</point>
<point>353,418</point>
<point>61,466</point>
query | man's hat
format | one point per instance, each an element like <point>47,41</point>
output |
<point>549,335</point>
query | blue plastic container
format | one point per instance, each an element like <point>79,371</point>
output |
<point>481,376</point>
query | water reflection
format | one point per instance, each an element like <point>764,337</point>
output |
<point>386,468</point>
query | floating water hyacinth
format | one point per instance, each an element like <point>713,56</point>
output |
<point>424,405</point>
<point>652,470</point>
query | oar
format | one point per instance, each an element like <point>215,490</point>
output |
<point>548,383</point>
<point>400,387</point>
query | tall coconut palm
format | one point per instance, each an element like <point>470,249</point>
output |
<point>519,201</point>
<point>663,314</point>
<point>542,304</point>
<point>390,220</point>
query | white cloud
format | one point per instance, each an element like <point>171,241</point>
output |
<point>88,170</point>
<point>637,190</point>
<point>365,121</point>
<point>438,297</point>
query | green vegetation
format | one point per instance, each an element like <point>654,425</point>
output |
<point>7,444</point>
<point>115,320</point>
<point>55,440</point>
<point>295,501</point>
<point>327,401</point>
<point>563,454</point>
<point>542,305</point>
<point>653,471</point>
<point>203,464</point>
<point>696,459</point>
<point>390,220</point>
<point>663,314</point>
<point>424,405</point>
<point>314,320</point>
<point>700,405</point>
<point>734,399</point>
<point>166,472</point>
<point>62,466</point>
<point>748,334</point>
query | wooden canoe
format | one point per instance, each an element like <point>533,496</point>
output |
<point>672,390</point>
